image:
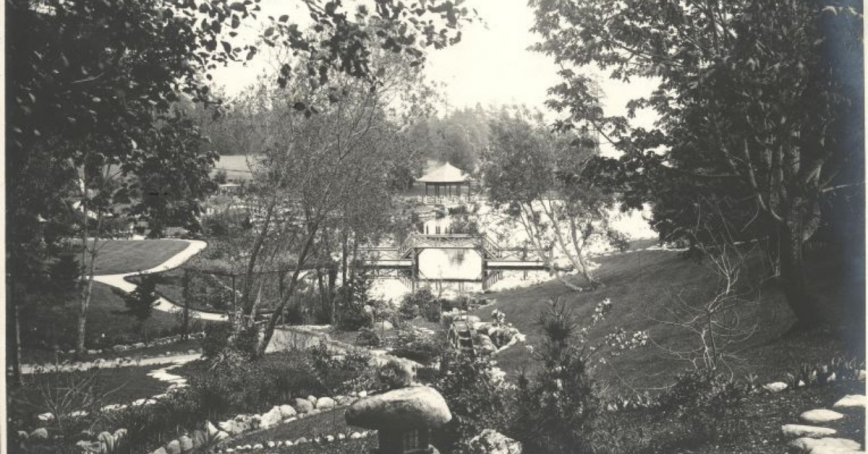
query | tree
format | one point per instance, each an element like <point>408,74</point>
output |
<point>759,106</point>
<point>140,303</point>
<point>321,184</point>
<point>93,114</point>
<point>542,179</point>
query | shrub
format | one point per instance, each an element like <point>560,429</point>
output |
<point>558,408</point>
<point>216,339</point>
<point>368,338</point>
<point>341,373</point>
<point>412,304</point>
<point>476,400</point>
<point>709,404</point>
<point>422,349</point>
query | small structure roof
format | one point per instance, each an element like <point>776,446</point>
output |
<point>447,173</point>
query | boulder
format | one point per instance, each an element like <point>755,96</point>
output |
<point>406,408</point>
<point>287,411</point>
<point>493,442</point>
<point>120,348</point>
<point>39,434</point>
<point>232,427</point>
<point>302,406</point>
<point>324,403</point>
<point>343,400</point>
<point>800,430</point>
<point>355,436</point>
<point>820,416</point>
<point>311,399</point>
<point>221,436</point>
<point>186,443</point>
<point>139,345</point>
<point>174,447</point>
<point>210,429</point>
<point>271,418</point>
<point>363,394</point>
<point>160,450</point>
<point>383,325</point>
<point>775,387</point>
<point>826,445</point>
<point>851,401</point>
<point>23,435</point>
<point>45,417</point>
<point>301,441</point>
<point>485,343</point>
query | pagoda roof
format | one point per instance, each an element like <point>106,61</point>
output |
<point>447,173</point>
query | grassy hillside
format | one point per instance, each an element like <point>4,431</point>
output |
<point>641,286</point>
<point>128,256</point>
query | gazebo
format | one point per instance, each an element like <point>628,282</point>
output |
<point>447,176</point>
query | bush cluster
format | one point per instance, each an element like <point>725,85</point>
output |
<point>420,348</point>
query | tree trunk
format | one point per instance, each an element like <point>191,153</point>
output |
<point>793,277</point>
<point>16,338</point>
<point>293,283</point>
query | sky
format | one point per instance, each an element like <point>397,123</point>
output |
<point>491,65</point>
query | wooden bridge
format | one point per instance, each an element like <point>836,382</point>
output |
<point>403,261</point>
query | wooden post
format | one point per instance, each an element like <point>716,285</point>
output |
<point>234,296</point>
<point>186,328</point>
<point>415,275</point>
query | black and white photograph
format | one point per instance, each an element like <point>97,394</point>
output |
<point>434,227</point>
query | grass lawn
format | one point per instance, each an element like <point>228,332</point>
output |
<point>129,256</point>
<point>106,326</point>
<point>640,285</point>
<point>120,385</point>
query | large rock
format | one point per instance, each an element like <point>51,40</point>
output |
<point>775,387</point>
<point>826,445</point>
<point>324,403</point>
<point>405,408</point>
<point>174,447</point>
<point>271,418</point>
<point>493,442</point>
<point>851,401</point>
<point>186,443</point>
<point>120,348</point>
<point>820,416</point>
<point>384,325</point>
<point>303,406</point>
<point>287,411</point>
<point>210,429</point>
<point>221,436</point>
<point>160,450</point>
<point>799,430</point>
<point>39,434</point>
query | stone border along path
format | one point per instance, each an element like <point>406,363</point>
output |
<point>815,439</point>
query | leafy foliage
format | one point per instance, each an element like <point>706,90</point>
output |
<point>558,408</point>
<point>476,398</point>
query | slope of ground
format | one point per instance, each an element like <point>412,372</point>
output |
<point>107,325</point>
<point>641,286</point>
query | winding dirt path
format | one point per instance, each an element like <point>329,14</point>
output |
<point>163,304</point>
